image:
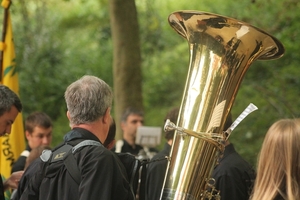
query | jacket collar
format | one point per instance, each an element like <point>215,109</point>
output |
<point>80,133</point>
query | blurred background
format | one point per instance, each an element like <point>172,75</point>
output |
<point>57,42</point>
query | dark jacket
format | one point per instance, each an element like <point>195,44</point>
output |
<point>156,173</point>
<point>122,146</point>
<point>102,175</point>
<point>234,176</point>
<point>127,148</point>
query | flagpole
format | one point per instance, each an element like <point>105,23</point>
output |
<point>6,5</point>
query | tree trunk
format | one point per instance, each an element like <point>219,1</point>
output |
<point>127,73</point>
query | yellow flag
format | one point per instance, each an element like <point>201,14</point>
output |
<point>13,144</point>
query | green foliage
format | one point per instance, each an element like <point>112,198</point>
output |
<point>59,41</point>
<point>56,44</point>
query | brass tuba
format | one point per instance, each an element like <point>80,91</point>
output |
<point>221,51</point>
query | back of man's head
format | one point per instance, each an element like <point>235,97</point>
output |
<point>88,99</point>
<point>172,115</point>
<point>37,119</point>
<point>8,99</point>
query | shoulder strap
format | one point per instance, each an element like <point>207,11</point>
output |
<point>65,153</point>
<point>143,175</point>
<point>72,168</point>
<point>136,170</point>
<point>70,161</point>
<point>86,143</point>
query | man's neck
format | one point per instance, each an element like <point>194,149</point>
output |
<point>95,128</point>
<point>130,140</point>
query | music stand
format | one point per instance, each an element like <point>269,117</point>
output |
<point>148,136</point>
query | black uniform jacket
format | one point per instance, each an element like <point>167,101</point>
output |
<point>102,175</point>
<point>234,176</point>
<point>127,148</point>
<point>156,173</point>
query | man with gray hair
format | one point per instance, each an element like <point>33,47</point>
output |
<point>102,175</point>
<point>10,106</point>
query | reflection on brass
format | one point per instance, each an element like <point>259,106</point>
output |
<point>216,139</point>
<point>221,51</point>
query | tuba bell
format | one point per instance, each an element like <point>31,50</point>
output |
<point>221,51</point>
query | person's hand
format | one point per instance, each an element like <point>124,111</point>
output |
<point>13,181</point>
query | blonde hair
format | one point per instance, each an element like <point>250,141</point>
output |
<point>278,169</point>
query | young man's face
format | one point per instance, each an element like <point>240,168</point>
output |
<point>7,119</point>
<point>39,137</point>
<point>131,125</point>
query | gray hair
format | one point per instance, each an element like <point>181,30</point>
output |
<point>8,99</point>
<point>87,99</point>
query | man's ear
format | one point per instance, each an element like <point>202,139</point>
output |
<point>27,134</point>
<point>106,117</point>
<point>68,115</point>
<point>123,125</point>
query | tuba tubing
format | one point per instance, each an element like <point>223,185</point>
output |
<point>221,51</point>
